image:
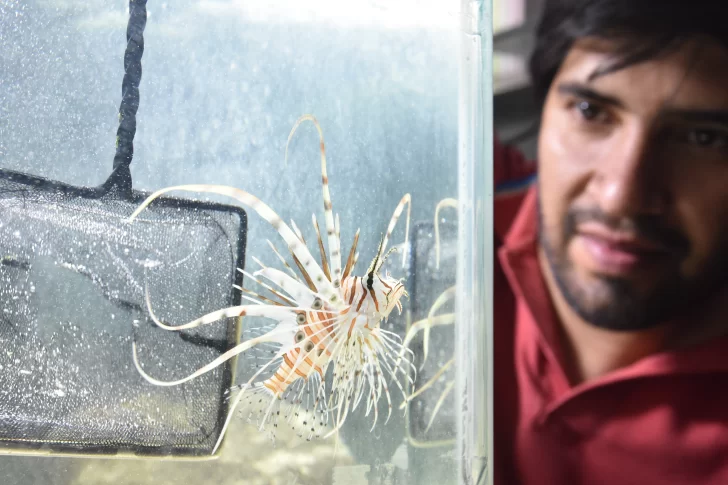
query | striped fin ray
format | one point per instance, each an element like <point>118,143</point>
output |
<point>383,351</point>
<point>323,285</point>
<point>302,295</point>
<point>396,340</point>
<point>343,387</point>
<point>322,250</point>
<point>337,230</point>
<point>284,298</point>
<point>300,408</point>
<point>382,365</point>
<point>339,351</point>
<point>351,260</point>
<point>376,387</point>
<point>406,200</point>
<point>267,311</point>
<point>305,401</point>
<point>282,260</point>
<point>387,349</point>
<point>392,345</point>
<point>304,273</point>
<point>334,243</point>
<point>283,332</point>
<point>257,297</point>
<point>370,377</point>
<point>380,388</point>
<point>297,231</point>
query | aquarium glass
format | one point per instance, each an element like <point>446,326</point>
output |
<point>402,92</point>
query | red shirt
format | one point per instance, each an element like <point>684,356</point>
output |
<point>661,420</point>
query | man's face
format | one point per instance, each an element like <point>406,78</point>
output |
<point>633,184</point>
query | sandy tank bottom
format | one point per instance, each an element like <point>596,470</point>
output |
<point>247,457</point>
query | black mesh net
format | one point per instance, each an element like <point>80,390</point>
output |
<point>73,275</point>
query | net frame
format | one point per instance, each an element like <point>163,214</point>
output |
<point>119,187</point>
<point>34,445</point>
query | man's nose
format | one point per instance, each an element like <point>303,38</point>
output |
<point>628,179</point>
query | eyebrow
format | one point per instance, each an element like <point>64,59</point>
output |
<point>582,91</point>
<point>718,117</point>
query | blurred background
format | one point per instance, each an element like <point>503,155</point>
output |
<point>516,115</point>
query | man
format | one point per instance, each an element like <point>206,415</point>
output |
<point>611,287</point>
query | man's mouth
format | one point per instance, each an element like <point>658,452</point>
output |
<point>618,253</point>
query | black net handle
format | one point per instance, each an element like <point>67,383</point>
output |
<point>121,175</point>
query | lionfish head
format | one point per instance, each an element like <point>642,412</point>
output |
<point>385,288</point>
<point>393,290</point>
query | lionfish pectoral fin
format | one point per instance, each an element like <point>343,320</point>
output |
<point>259,405</point>
<point>231,312</point>
<point>258,398</point>
<point>281,333</point>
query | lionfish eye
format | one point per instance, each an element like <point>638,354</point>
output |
<point>308,347</point>
<point>317,304</point>
<point>301,318</point>
<point>300,336</point>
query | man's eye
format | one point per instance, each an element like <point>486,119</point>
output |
<point>590,112</point>
<point>708,138</point>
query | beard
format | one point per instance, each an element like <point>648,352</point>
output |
<point>619,304</point>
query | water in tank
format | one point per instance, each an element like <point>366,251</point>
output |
<point>347,347</point>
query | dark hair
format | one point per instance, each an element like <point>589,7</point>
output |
<point>641,30</point>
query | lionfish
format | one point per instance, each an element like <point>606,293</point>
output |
<point>325,318</point>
